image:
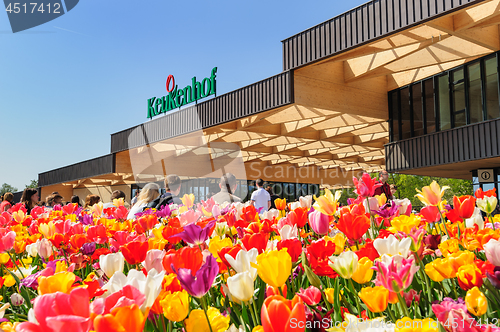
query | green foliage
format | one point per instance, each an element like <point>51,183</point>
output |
<point>33,184</point>
<point>7,188</point>
<point>407,183</point>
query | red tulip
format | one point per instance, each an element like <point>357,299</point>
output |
<point>298,217</point>
<point>135,251</point>
<point>464,205</point>
<point>317,254</point>
<point>311,295</point>
<point>365,187</point>
<point>232,251</point>
<point>186,257</point>
<point>294,248</point>
<point>489,193</point>
<point>430,213</point>
<point>354,222</point>
<point>258,241</point>
<point>281,315</point>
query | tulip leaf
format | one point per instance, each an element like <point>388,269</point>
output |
<point>244,313</point>
<point>336,303</point>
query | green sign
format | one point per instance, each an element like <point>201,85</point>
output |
<point>179,97</point>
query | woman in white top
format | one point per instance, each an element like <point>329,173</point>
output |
<point>149,193</point>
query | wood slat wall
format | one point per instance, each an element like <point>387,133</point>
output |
<point>475,141</point>
<point>360,25</point>
<point>265,95</point>
<point>93,167</point>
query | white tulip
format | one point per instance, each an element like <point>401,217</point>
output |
<point>288,232</point>
<point>241,286</point>
<point>112,263</point>
<point>392,246</point>
<point>306,201</point>
<point>475,219</point>
<point>242,261</point>
<point>345,264</point>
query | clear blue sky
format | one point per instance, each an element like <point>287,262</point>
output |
<point>68,84</point>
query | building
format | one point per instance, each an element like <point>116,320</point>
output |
<point>407,85</point>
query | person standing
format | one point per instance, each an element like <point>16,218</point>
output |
<point>29,198</point>
<point>173,188</point>
<point>261,198</point>
<point>6,204</point>
<point>384,188</point>
<point>227,186</point>
<point>149,193</point>
<point>273,196</point>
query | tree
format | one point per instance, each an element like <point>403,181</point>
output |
<point>7,188</point>
<point>33,184</point>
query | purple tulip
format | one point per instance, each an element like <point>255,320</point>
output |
<point>200,284</point>
<point>88,248</point>
<point>387,210</point>
<point>164,212</point>
<point>495,277</point>
<point>319,222</point>
<point>194,234</point>
<point>86,219</point>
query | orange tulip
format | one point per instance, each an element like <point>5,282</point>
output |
<point>327,204</point>
<point>464,205</point>
<point>135,251</point>
<point>127,318</point>
<point>59,282</point>
<point>469,276</point>
<point>354,222</point>
<point>375,298</point>
<point>280,203</point>
<point>431,195</point>
<point>281,315</point>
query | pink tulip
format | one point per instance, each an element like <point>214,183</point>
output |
<point>7,239</point>
<point>492,249</point>
<point>60,312</point>
<point>310,296</point>
<point>319,222</point>
<point>154,259</point>
<point>396,275</point>
<point>189,217</point>
<point>366,186</point>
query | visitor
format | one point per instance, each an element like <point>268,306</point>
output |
<point>134,199</point>
<point>227,186</point>
<point>90,200</point>
<point>261,198</point>
<point>8,199</point>
<point>173,188</point>
<point>273,196</point>
<point>384,188</point>
<point>394,189</point>
<point>117,194</point>
<point>149,193</point>
<point>53,200</point>
<point>29,199</point>
<point>75,199</point>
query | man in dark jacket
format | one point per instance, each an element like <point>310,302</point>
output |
<point>173,187</point>
<point>384,188</point>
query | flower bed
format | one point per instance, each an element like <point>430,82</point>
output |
<point>368,266</point>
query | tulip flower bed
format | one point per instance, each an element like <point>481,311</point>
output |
<point>368,266</point>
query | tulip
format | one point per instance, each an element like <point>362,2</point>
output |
<point>476,302</point>
<point>16,299</point>
<point>404,206</point>
<point>112,263</point>
<point>274,267</point>
<point>469,276</point>
<point>464,205</point>
<point>492,249</point>
<point>396,275</point>
<point>188,200</point>
<point>305,201</point>
<point>175,305</point>
<point>392,246</point>
<point>487,204</point>
<point>197,321</point>
<point>59,312</point>
<point>494,277</point>
<point>311,296</point>
<point>327,204</point>
<point>375,298</point>
<point>196,235</point>
<point>430,213</point>
<point>405,223</point>
<point>257,240</point>
<point>154,258</point>
<point>364,272</point>
<point>431,195</point>
<point>293,246</point>
<point>329,294</point>
<point>243,262</point>
<point>281,315</point>
<point>7,239</point>
<point>354,222</point>
<point>319,222</point>
<point>475,219</point>
<point>199,284</point>
<point>124,318</point>
<point>44,248</point>
<point>280,203</point>
<point>135,252</point>
<point>241,286</point>
<point>59,282</point>
<point>366,186</point>
<point>298,217</point>
<point>345,264</point>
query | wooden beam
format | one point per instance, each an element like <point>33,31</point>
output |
<point>472,16</point>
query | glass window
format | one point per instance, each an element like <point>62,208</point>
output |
<point>395,115</point>
<point>475,98</point>
<point>488,186</point>
<point>405,113</point>
<point>429,106</point>
<point>418,118</point>
<point>457,78</point>
<point>444,103</point>
<point>491,83</point>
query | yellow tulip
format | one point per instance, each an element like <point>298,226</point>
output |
<point>197,322</point>
<point>258,328</point>
<point>431,195</point>
<point>449,247</point>
<point>339,240</point>
<point>432,273</point>
<point>175,305</point>
<point>4,258</point>
<point>461,258</point>
<point>476,302</point>
<point>381,199</point>
<point>48,230</point>
<point>274,267</point>
<point>118,202</point>
<point>59,282</point>
<point>216,244</point>
<point>375,298</point>
<point>444,267</point>
<point>9,281</point>
<point>329,293</point>
<point>188,200</point>
<point>364,272</point>
<point>280,203</point>
<point>327,204</point>
<point>404,223</point>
